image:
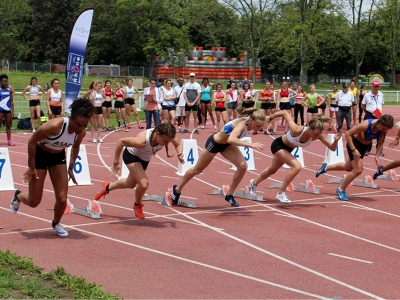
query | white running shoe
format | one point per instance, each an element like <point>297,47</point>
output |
<point>94,141</point>
<point>283,198</point>
<point>14,205</point>
<point>60,230</point>
<point>253,188</point>
<point>179,129</point>
<point>101,141</point>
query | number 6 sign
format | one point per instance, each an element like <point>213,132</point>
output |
<point>6,177</point>
<point>81,167</point>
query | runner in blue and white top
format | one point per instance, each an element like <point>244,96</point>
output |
<point>46,153</point>
<point>137,153</point>
<point>226,142</point>
<point>6,105</point>
<point>281,148</point>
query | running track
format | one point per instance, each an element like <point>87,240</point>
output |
<point>317,247</point>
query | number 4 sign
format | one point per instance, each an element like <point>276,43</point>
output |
<point>6,177</point>
<point>190,155</point>
<point>81,167</point>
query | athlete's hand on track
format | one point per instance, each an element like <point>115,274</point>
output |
<point>115,169</point>
<point>257,146</point>
<point>31,173</point>
<point>71,175</point>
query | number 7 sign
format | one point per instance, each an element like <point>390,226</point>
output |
<point>6,177</point>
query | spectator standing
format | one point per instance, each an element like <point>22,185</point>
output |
<point>345,101</point>
<point>192,93</point>
<point>372,104</point>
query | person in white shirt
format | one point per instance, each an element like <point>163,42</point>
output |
<point>180,106</point>
<point>192,93</point>
<point>345,100</point>
<point>372,106</point>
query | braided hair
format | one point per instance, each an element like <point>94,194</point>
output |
<point>163,129</point>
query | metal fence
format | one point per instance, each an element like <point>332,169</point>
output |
<point>21,106</point>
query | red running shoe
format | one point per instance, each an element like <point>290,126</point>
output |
<point>103,192</point>
<point>138,208</point>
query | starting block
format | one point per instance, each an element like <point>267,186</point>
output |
<point>167,200</point>
<point>308,187</point>
<point>391,176</point>
<point>93,210</point>
<point>367,182</point>
<point>244,195</point>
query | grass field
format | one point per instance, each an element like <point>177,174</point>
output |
<point>21,279</point>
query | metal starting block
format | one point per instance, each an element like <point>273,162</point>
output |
<point>167,200</point>
<point>244,195</point>
<point>391,176</point>
<point>307,187</point>
<point>367,182</point>
<point>93,210</point>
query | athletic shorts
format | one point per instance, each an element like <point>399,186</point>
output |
<point>169,108</point>
<point>334,107</point>
<point>106,104</point>
<point>313,110</point>
<point>284,106</point>
<point>278,144</point>
<point>213,147</point>
<point>205,101</point>
<point>362,148</point>
<point>119,104</point>
<point>180,111</point>
<point>55,110</point>
<point>266,105</point>
<point>220,109</point>
<point>33,103</point>
<point>248,104</point>
<point>45,159</point>
<point>194,107</point>
<point>98,110</point>
<point>322,106</point>
<point>232,105</point>
<point>129,101</point>
<point>129,158</point>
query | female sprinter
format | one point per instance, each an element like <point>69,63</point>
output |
<point>46,153</point>
<point>281,148</point>
<point>137,154</point>
<point>226,141</point>
<point>358,138</point>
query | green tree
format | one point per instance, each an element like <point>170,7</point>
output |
<point>255,17</point>
<point>49,29</point>
<point>13,14</point>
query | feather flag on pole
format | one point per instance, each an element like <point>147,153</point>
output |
<point>76,56</point>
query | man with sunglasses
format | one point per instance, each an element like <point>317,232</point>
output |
<point>192,93</point>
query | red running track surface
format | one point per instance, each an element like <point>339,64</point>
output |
<point>317,247</point>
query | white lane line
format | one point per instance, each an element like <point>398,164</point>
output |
<point>351,206</point>
<point>181,258</point>
<point>351,258</point>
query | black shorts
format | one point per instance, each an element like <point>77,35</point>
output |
<point>98,110</point>
<point>313,110</point>
<point>45,159</point>
<point>248,104</point>
<point>220,109</point>
<point>362,148</point>
<point>55,110</point>
<point>119,104</point>
<point>106,104</point>
<point>205,101</point>
<point>194,107</point>
<point>266,105</point>
<point>322,106</point>
<point>334,105</point>
<point>213,147</point>
<point>284,106</point>
<point>278,144</point>
<point>5,111</point>
<point>33,103</point>
<point>169,108</point>
<point>354,104</point>
<point>129,101</point>
<point>129,158</point>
